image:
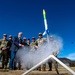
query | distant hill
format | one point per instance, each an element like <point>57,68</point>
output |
<point>67,61</point>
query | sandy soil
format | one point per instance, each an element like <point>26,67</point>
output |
<point>62,71</point>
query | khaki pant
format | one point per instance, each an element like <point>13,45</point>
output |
<point>55,65</point>
<point>43,67</point>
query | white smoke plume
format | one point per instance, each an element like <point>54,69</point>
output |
<point>30,57</point>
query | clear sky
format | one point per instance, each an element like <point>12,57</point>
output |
<point>26,16</point>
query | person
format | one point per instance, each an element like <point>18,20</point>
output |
<point>24,41</point>
<point>50,65</point>
<point>10,41</point>
<point>9,45</point>
<point>33,44</point>
<point>17,44</point>
<point>39,42</point>
<point>28,42</point>
<point>4,49</point>
<point>53,43</point>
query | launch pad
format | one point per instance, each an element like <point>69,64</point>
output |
<point>53,57</point>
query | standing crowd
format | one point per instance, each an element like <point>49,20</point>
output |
<point>9,48</point>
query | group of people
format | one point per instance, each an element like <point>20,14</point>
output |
<point>9,48</point>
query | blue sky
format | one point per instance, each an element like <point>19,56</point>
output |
<point>26,16</point>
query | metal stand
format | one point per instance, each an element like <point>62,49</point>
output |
<point>51,56</point>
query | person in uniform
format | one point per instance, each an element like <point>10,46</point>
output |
<point>4,49</point>
<point>53,43</point>
<point>39,42</point>
<point>10,41</point>
<point>24,41</point>
<point>9,45</point>
<point>28,42</point>
<point>33,44</point>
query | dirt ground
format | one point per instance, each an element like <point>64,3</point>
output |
<point>62,71</point>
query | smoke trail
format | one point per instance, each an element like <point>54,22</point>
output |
<point>30,57</point>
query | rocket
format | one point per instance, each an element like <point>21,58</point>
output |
<point>45,23</point>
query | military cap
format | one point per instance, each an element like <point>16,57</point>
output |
<point>40,33</point>
<point>10,36</point>
<point>33,37</point>
<point>24,38</point>
<point>5,35</point>
<point>28,39</point>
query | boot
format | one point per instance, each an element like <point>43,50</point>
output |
<point>39,68</point>
<point>44,67</point>
<point>50,66</point>
<point>5,67</point>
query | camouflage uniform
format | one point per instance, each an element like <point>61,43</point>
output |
<point>55,62</point>
<point>33,46</point>
<point>4,53</point>
<point>39,42</point>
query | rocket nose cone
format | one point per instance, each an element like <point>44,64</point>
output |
<point>44,11</point>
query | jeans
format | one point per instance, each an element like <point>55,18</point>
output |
<point>12,63</point>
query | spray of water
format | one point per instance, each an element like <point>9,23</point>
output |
<point>29,57</point>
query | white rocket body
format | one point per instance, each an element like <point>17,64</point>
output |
<point>45,23</point>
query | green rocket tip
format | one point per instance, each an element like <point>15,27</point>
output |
<point>44,14</point>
